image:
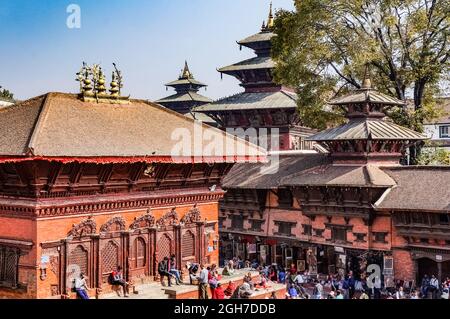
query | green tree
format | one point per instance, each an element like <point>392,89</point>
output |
<point>6,94</point>
<point>436,156</point>
<point>324,46</point>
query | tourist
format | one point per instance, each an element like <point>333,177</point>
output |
<point>425,285</point>
<point>293,293</point>
<point>445,292</point>
<point>434,286</point>
<point>400,294</point>
<point>119,280</point>
<point>339,295</point>
<point>245,290</point>
<point>273,276</point>
<point>163,271</point>
<point>281,275</point>
<point>415,295</point>
<point>299,280</point>
<point>213,280</point>
<point>318,290</point>
<point>203,282</point>
<point>228,270</point>
<point>331,295</point>
<point>173,270</point>
<point>192,269</point>
<point>219,292</point>
<point>364,295</point>
<point>230,289</point>
<point>81,287</point>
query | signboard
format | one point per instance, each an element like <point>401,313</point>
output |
<point>339,249</point>
<point>251,248</point>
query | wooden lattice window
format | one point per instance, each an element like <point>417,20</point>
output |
<point>139,253</point>
<point>110,257</point>
<point>9,260</point>
<point>79,258</point>
<point>188,244</point>
<point>164,247</point>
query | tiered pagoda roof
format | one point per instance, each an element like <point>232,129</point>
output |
<point>186,97</point>
<point>264,103</point>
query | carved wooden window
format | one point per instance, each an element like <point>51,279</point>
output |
<point>164,247</point>
<point>139,253</point>
<point>237,222</point>
<point>188,245</point>
<point>285,198</point>
<point>444,219</point>
<point>79,258</point>
<point>110,257</point>
<point>339,234</point>
<point>285,228</point>
<point>257,225</point>
<point>307,230</point>
<point>9,260</point>
<point>380,237</point>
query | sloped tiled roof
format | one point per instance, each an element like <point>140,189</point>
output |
<point>367,128</point>
<point>341,175</point>
<point>250,64</point>
<point>258,37</point>
<point>185,97</point>
<point>366,95</point>
<point>59,125</point>
<point>249,101</point>
<point>424,188</point>
<point>264,176</point>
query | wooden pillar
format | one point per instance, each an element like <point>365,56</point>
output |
<point>439,276</point>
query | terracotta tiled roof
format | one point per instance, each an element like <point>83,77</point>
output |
<point>424,188</point>
<point>264,176</point>
<point>341,175</point>
<point>61,125</point>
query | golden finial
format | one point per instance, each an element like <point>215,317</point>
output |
<point>270,21</point>
<point>367,83</point>
<point>119,79</point>
<point>186,74</point>
<point>114,90</point>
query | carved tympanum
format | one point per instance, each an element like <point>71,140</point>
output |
<point>169,219</point>
<point>114,224</point>
<point>146,221</point>
<point>193,216</point>
<point>85,228</point>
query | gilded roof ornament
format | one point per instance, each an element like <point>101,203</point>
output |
<point>93,85</point>
<point>270,21</point>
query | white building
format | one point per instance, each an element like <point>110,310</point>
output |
<point>439,129</point>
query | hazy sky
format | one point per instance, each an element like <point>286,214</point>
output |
<point>149,40</point>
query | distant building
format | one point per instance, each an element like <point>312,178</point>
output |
<point>264,104</point>
<point>187,97</point>
<point>439,130</point>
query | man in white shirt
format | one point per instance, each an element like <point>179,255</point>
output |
<point>299,279</point>
<point>203,282</point>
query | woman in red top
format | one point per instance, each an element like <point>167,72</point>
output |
<point>219,293</point>
<point>230,289</point>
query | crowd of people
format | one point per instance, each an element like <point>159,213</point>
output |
<point>299,284</point>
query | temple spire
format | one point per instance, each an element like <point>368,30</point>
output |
<point>270,21</point>
<point>186,74</point>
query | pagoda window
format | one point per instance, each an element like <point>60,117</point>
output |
<point>444,219</point>
<point>284,228</point>
<point>444,131</point>
<point>380,237</point>
<point>237,222</point>
<point>307,230</point>
<point>417,218</point>
<point>339,234</point>
<point>257,225</point>
<point>9,264</point>
<point>285,198</point>
<point>139,253</point>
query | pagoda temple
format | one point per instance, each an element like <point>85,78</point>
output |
<point>264,104</point>
<point>86,187</point>
<point>186,97</point>
<point>342,211</point>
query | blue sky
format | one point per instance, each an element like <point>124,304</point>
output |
<point>148,39</point>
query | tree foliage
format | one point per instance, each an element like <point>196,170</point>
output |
<point>323,47</point>
<point>436,156</point>
<point>6,94</point>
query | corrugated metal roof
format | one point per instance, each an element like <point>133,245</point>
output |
<point>185,97</point>
<point>250,64</point>
<point>366,95</point>
<point>250,101</point>
<point>366,128</point>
